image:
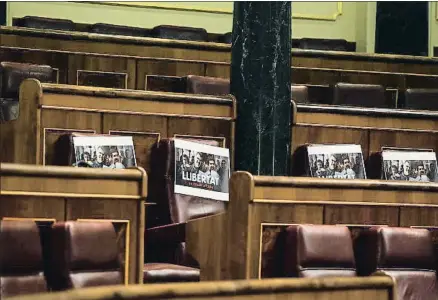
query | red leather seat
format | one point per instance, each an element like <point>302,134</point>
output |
<point>207,85</point>
<point>84,254</point>
<point>21,260</point>
<point>364,95</point>
<point>405,254</point>
<point>318,251</point>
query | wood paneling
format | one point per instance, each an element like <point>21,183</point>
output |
<point>66,193</point>
<point>52,110</point>
<point>359,288</point>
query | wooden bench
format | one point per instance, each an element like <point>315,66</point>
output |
<point>47,111</point>
<point>358,288</point>
<point>372,128</point>
<point>237,243</point>
<point>153,47</point>
<point>50,194</point>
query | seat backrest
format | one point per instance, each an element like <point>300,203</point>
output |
<point>171,207</point>
<point>323,44</point>
<point>21,259</point>
<point>318,250</point>
<point>12,74</point>
<point>180,33</point>
<point>426,99</point>
<point>300,93</point>
<point>103,28</point>
<point>84,254</point>
<point>365,95</point>
<point>405,254</point>
<point>207,85</point>
<point>45,23</point>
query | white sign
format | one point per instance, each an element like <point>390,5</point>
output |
<point>201,170</point>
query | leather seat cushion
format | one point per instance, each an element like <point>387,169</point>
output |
<point>365,95</point>
<point>22,285</point>
<point>318,247</point>
<point>89,279</point>
<point>300,93</point>
<point>180,33</point>
<point>45,23</point>
<point>426,99</point>
<point>12,74</point>
<point>21,251</point>
<point>119,30</point>
<point>415,285</point>
<point>90,245</point>
<point>160,272</point>
<point>207,85</point>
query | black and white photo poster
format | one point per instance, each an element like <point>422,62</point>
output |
<point>413,165</point>
<point>114,152</point>
<point>201,170</point>
<point>336,161</point>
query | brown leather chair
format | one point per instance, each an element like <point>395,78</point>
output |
<point>325,44</point>
<point>164,273</point>
<point>166,220</point>
<point>318,251</point>
<point>21,259</point>
<point>11,76</point>
<point>45,23</point>
<point>207,85</point>
<point>365,95</point>
<point>103,28</point>
<point>425,99</point>
<point>180,33</point>
<point>84,254</point>
<point>405,254</point>
<point>300,93</point>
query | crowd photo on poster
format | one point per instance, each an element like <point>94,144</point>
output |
<point>336,161</point>
<point>201,170</point>
<point>418,166</point>
<point>113,152</point>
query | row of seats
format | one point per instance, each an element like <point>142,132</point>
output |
<point>405,254</point>
<point>171,32</point>
<point>349,94</point>
<point>38,257</point>
<point>365,95</point>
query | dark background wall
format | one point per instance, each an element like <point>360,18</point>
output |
<point>3,13</point>
<point>402,28</point>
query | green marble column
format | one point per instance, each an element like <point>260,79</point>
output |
<point>261,83</point>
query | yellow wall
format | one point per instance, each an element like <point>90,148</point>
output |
<point>311,19</point>
<point>433,26</point>
<point>352,21</point>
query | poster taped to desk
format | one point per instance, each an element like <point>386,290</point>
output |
<point>202,170</point>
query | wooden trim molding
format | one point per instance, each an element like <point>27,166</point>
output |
<point>230,289</point>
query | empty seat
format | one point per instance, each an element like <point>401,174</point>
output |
<point>207,85</point>
<point>324,44</point>
<point>179,33</point>
<point>365,95</point>
<point>426,99</point>
<point>161,273</point>
<point>21,260</point>
<point>45,23</point>
<point>405,254</point>
<point>165,221</point>
<point>11,76</point>
<point>300,93</point>
<point>84,254</point>
<point>226,38</point>
<point>103,28</point>
<point>318,251</point>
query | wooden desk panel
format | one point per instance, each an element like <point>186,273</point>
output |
<point>358,288</point>
<point>67,193</point>
<point>48,111</point>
